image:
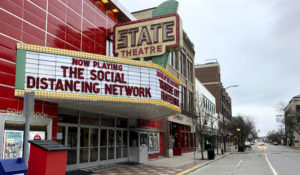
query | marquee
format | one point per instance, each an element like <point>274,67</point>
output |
<point>63,74</point>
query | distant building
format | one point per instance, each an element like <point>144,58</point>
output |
<point>292,121</point>
<point>210,76</point>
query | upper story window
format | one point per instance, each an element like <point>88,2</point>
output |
<point>182,64</point>
<point>190,71</point>
<point>173,60</point>
<point>183,97</point>
<point>109,47</point>
<point>298,108</point>
<point>191,104</point>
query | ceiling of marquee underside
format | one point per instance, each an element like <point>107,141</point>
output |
<point>121,109</point>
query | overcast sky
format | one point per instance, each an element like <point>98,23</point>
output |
<point>257,44</point>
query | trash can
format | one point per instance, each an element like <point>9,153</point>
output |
<point>241,148</point>
<point>211,153</point>
<point>13,166</point>
<point>47,157</point>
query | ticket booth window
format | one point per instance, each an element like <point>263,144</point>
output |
<point>153,142</point>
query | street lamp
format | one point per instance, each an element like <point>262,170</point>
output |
<point>224,136</point>
<point>238,130</point>
<point>232,86</point>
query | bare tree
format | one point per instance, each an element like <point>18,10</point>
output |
<point>247,128</point>
<point>203,121</point>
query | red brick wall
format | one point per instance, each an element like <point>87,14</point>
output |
<point>208,74</point>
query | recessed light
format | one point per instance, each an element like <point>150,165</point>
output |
<point>115,10</point>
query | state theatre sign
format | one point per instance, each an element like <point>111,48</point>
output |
<point>147,37</point>
<point>63,76</point>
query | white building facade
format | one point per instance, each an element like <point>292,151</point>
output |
<point>206,109</point>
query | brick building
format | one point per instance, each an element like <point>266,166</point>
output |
<point>181,132</point>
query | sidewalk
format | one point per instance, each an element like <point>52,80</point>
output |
<point>164,166</point>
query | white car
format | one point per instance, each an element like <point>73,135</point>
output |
<point>247,144</point>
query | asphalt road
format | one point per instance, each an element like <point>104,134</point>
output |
<point>262,160</point>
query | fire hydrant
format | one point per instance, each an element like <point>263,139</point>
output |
<point>222,151</point>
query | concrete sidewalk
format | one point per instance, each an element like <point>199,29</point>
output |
<point>168,166</point>
<point>179,161</point>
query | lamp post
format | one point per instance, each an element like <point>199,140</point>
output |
<point>224,135</point>
<point>238,130</point>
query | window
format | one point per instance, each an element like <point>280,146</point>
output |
<point>183,97</point>
<point>191,104</point>
<point>153,142</point>
<point>183,64</point>
<point>298,109</point>
<point>121,123</point>
<point>109,47</point>
<point>180,62</point>
<point>172,58</point>
<point>188,100</point>
<point>190,71</point>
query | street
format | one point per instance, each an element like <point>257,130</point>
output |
<point>262,160</point>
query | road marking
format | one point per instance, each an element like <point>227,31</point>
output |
<point>272,168</point>
<point>238,164</point>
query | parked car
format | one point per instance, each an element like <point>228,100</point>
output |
<point>247,144</point>
<point>275,143</point>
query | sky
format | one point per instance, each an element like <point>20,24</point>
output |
<point>257,44</point>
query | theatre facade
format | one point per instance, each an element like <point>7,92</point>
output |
<point>105,109</point>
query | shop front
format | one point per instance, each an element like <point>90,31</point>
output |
<point>92,138</point>
<point>156,132</point>
<point>100,102</point>
<point>182,135</point>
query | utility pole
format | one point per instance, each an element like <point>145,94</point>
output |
<point>28,113</point>
<point>224,135</point>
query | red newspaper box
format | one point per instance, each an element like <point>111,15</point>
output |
<point>47,157</point>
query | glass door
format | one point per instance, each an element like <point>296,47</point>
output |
<point>84,145</point>
<point>103,144</point>
<point>119,144</point>
<point>125,144</point>
<point>72,144</point>
<point>94,145</point>
<point>111,144</point>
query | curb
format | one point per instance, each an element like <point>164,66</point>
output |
<point>201,165</point>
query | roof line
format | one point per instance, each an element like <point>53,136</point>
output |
<point>124,10</point>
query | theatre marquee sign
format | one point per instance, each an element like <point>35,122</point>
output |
<point>63,74</point>
<point>147,37</point>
